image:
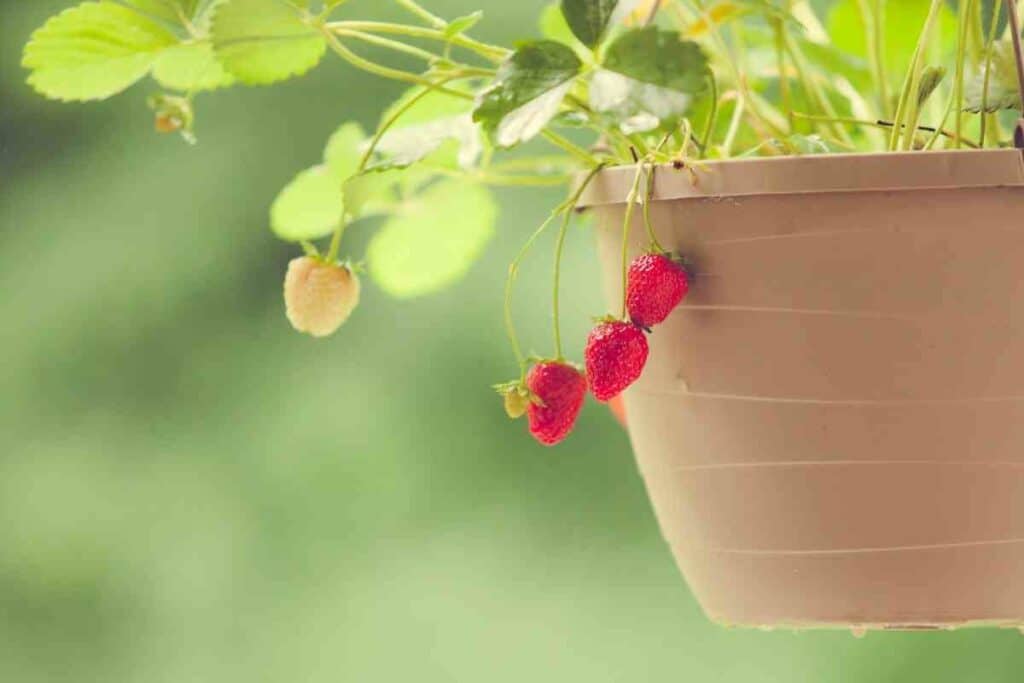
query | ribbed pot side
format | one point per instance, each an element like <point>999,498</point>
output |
<point>831,427</point>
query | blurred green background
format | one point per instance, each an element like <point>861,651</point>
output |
<point>189,491</point>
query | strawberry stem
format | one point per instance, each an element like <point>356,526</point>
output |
<point>630,203</point>
<point>332,251</point>
<point>566,216</point>
<point>513,269</point>
<point>647,211</point>
<point>569,207</point>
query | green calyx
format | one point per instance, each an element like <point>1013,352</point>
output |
<point>518,398</point>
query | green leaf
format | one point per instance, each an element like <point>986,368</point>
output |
<point>311,205</point>
<point>659,57</point>
<point>433,240</point>
<point>405,146</point>
<point>527,92</point>
<point>343,151</point>
<point>552,25</point>
<point>93,51</point>
<point>372,192</point>
<point>190,67</point>
<point>588,19</point>
<point>264,41</point>
<point>308,207</point>
<point>460,25</point>
<point>1003,90</point>
<point>635,106</point>
<point>170,11</point>
<point>423,128</point>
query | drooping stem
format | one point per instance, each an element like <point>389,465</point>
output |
<point>513,269</point>
<point>559,244</point>
<point>648,195</point>
<point>627,220</point>
<point>567,212</point>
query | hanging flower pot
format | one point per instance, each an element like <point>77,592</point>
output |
<point>830,426</point>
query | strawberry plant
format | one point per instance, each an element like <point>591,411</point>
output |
<point>606,82</point>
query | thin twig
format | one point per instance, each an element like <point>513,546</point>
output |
<point>883,124</point>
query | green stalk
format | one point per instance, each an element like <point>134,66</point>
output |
<point>887,125</point>
<point>733,65</point>
<point>423,13</point>
<point>978,29</point>
<point>395,45</point>
<point>630,203</point>
<point>780,59</point>
<point>734,125</point>
<point>566,208</point>
<point>871,12</point>
<point>912,80</point>
<point>513,269</point>
<point>709,126</point>
<point>989,41</point>
<point>578,152</point>
<point>647,212</point>
<point>494,53</point>
<point>940,129</point>
<point>332,251</point>
<point>963,14</point>
<point>570,207</point>
<point>381,70</point>
<point>814,89</point>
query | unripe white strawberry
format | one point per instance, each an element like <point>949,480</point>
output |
<point>319,296</point>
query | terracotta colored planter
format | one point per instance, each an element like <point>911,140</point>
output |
<point>831,428</point>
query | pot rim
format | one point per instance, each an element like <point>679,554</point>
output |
<point>816,174</point>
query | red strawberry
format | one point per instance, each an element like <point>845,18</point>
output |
<point>561,389</point>
<point>616,353</point>
<point>656,285</point>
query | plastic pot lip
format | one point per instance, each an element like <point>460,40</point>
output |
<point>816,174</point>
